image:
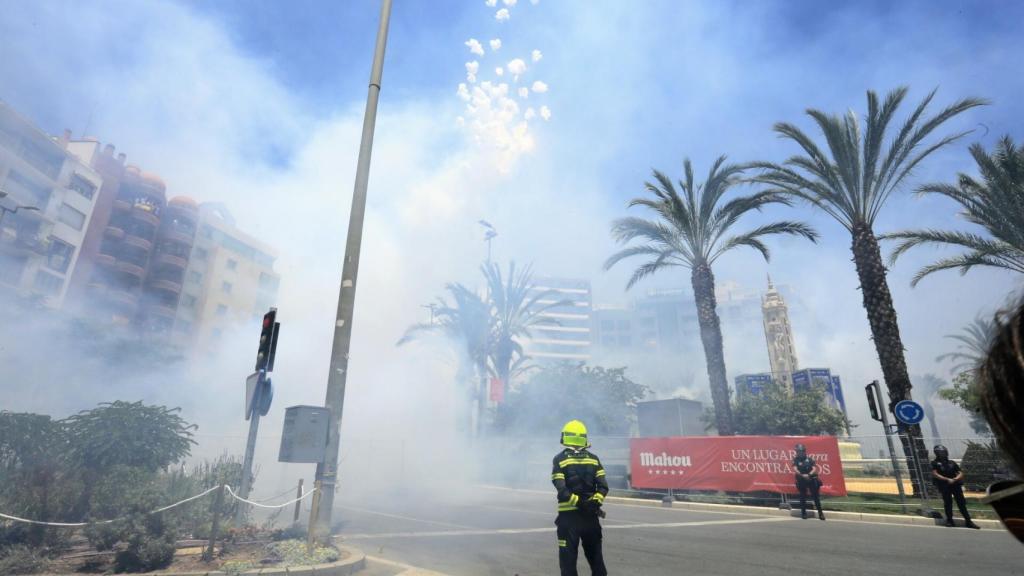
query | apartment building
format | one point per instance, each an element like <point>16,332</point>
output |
<point>47,200</point>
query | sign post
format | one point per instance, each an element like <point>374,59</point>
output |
<point>874,393</point>
<point>909,412</point>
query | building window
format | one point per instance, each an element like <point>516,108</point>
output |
<point>59,255</point>
<point>232,264</point>
<point>225,287</point>
<point>47,283</point>
<point>201,253</point>
<point>188,301</point>
<point>221,310</point>
<point>82,186</point>
<point>71,217</point>
<point>195,277</point>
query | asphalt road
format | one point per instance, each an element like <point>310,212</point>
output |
<point>484,531</point>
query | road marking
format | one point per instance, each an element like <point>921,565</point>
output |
<point>547,514</point>
<point>407,569</point>
<point>551,530</point>
<point>409,518</point>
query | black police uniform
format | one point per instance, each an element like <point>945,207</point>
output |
<point>580,481</point>
<point>949,469</point>
<point>804,465</point>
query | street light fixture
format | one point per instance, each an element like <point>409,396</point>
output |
<point>489,234</point>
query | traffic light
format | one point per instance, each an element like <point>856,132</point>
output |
<point>268,341</point>
<point>871,390</point>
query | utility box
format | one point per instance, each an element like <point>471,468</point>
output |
<point>675,417</point>
<point>305,434</point>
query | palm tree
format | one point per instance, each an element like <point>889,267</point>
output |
<point>515,308</point>
<point>851,182</point>
<point>692,231</point>
<point>489,329</point>
<point>467,322</point>
<point>996,204</point>
<point>975,339</point>
<point>929,385</point>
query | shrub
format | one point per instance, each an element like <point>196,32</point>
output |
<point>983,464</point>
<point>294,553</point>
<point>20,559</point>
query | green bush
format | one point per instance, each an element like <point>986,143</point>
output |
<point>983,464</point>
<point>294,553</point>
<point>21,559</point>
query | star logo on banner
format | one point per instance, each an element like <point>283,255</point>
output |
<point>673,472</point>
<point>657,471</point>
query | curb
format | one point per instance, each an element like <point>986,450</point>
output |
<point>904,519</point>
<point>354,563</point>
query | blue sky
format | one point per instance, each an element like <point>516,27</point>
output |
<point>259,105</point>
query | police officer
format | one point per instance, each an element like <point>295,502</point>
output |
<point>807,479</point>
<point>949,479</point>
<point>580,481</point>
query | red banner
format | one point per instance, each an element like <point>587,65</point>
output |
<point>732,463</point>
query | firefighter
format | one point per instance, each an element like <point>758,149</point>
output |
<point>949,479</point>
<point>580,481</point>
<point>807,480</point>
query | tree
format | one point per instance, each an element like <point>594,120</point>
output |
<point>490,328</point>
<point>515,310</point>
<point>964,394</point>
<point>776,412</point>
<point>128,434</point>
<point>851,182</point>
<point>974,341</point>
<point>692,231</point>
<point>603,398</point>
<point>930,386</point>
<point>467,322</point>
<point>996,203</point>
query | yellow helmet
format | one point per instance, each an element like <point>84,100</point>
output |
<point>574,434</point>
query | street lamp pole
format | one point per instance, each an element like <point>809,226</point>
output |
<point>327,470</point>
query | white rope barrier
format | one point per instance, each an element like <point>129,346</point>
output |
<point>80,524</point>
<point>288,503</point>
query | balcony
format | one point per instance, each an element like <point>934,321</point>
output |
<point>123,299</point>
<point>105,260</point>
<point>24,246</point>
<point>122,205</point>
<point>166,286</point>
<point>172,235</point>
<point>138,242</point>
<point>172,261</point>
<point>113,232</point>
<point>133,270</point>
<point>143,213</point>
<point>161,310</point>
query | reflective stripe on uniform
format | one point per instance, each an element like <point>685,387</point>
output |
<point>573,500</point>
<point>558,476</point>
<point>600,473</point>
<point>562,543</point>
<point>598,496</point>
<point>571,461</point>
<point>566,507</point>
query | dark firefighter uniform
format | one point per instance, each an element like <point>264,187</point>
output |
<point>807,481</point>
<point>946,476</point>
<point>580,481</point>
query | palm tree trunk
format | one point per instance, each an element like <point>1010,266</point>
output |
<point>885,331</point>
<point>703,281</point>
<point>929,413</point>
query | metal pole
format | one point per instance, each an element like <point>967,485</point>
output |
<point>250,449</point>
<point>327,471</point>
<point>892,449</point>
<point>298,504</point>
<point>926,509</point>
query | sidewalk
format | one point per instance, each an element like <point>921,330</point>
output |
<point>906,519</point>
